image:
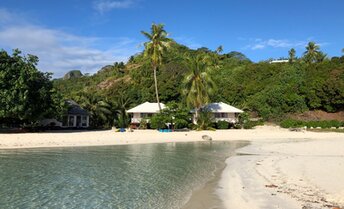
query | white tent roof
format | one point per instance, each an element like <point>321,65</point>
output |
<point>222,107</point>
<point>146,107</point>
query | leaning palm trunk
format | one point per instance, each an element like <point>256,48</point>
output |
<point>156,88</point>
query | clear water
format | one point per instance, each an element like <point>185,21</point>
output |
<point>128,176</point>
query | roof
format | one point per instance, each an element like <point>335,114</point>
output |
<point>75,109</point>
<point>146,107</point>
<point>222,107</point>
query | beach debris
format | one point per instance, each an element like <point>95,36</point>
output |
<point>207,138</point>
<point>295,129</point>
<point>271,186</point>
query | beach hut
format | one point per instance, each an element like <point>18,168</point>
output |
<point>144,111</point>
<point>221,112</point>
<point>76,116</point>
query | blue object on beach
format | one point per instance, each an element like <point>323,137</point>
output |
<point>122,129</point>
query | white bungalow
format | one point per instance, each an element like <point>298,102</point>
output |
<point>144,110</point>
<point>222,112</point>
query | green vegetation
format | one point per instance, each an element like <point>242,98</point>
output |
<point>181,76</point>
<point>154,50</point>
<point>26,95</point>
<point>290,123</point>
<point>222,125</point>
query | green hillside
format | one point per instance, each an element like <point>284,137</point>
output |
<point>271,90</point>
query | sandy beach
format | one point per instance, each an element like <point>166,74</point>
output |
<point>279,169</point>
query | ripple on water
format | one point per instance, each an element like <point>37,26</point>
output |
<point>128,176</point>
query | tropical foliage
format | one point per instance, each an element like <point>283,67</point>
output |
<point>154,49</point>
<point>186,78</point>
<point>26,95</point>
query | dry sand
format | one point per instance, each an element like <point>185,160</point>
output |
<point>280,169</point>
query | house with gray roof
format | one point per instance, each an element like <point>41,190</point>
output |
<point>76,116</point>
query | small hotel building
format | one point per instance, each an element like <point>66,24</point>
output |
<point>76,116</point>
<point>222,112</point>
<point>144,111</point>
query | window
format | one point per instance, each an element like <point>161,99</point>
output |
<point>84,120</point>
<point>221,115</point>
<point>146,115</point>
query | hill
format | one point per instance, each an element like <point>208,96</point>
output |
<point>270,90</point>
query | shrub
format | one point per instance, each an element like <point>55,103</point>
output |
<point>290,123</point>
<point>158,121</point>
<point>143,124</point>
<point>222,125</point>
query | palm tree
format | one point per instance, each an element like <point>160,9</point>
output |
<point>219,49</point>
<point>311,53</point>
<point>343,50</point>
<point>292,56</point>
<point>122,103</point>
<point>198,84</point>
<point>98,109</point>
<point>155,47</point>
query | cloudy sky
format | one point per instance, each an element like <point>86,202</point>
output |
<point>88,34</point>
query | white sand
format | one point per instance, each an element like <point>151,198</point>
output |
<point>306,167</point>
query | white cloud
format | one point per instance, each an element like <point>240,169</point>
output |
<point>60,52</point>
<point>258,46</point>
<point>274,43</point>
<point>103,6</point>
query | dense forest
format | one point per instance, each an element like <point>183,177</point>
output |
<point>270,90</point>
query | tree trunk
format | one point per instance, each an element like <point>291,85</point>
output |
<point>197,110</point>
<point>156,88</point>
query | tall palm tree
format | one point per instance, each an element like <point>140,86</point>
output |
<point>292,56</point>
<point>155,47</point>
<point>198,84</point>
<point>311,53</point>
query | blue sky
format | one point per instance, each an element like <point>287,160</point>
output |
<point>88,34</point>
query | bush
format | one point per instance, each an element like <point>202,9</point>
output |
<point>143,124</point>
<point>158,121</point>
<point>290,123</point>
<point>222,125</point>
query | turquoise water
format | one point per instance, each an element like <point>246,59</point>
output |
<point>128,176</point>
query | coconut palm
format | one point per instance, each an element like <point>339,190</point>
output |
<point>311,53</point>
<point>198,84</point>
<point>219,49</point>
<point>122,103</point>
<point>98,109</point>
<point>292,56</point>
<point>155,47</point>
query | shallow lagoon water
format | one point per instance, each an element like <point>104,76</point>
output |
<point>127,176</point>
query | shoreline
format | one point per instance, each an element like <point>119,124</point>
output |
<point>109,137</point>
<point>206,196</point>
<point>286,174</point>
<point>279,169</point>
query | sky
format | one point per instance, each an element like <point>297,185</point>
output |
<point>88,34</point>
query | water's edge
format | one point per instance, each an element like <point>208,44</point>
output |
<point>206,197</point>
